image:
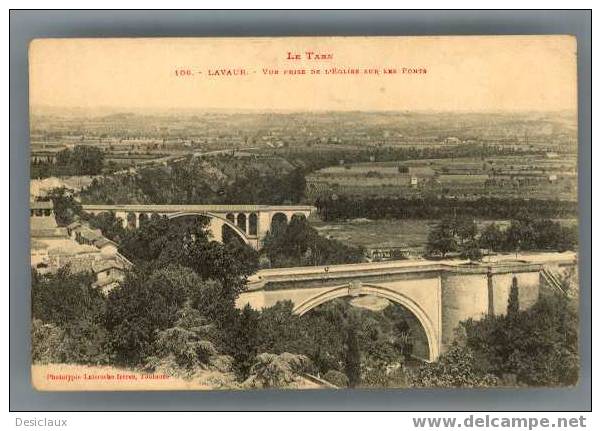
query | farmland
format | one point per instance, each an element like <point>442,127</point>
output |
<point>535,176</point>
<point>409,234</point>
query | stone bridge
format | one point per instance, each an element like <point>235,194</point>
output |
<point>435,295</point>
<point>250,222</point>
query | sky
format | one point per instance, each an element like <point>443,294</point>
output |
<point>462,73</point>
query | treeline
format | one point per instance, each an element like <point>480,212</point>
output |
<point>530,234</point>
<point>452,235</point>
<point>81,160</point>
<point>194,182</point>
<point>338,208</point>
<point>315,158</point>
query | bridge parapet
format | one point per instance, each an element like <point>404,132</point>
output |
<point>281,276</point>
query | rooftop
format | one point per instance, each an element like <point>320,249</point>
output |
<point>41,205</point>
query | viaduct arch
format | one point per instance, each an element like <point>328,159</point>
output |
<point>216,224</point>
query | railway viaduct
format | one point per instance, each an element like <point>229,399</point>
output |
<point>250,222</point>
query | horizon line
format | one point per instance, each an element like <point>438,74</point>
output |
<point>125,110</point>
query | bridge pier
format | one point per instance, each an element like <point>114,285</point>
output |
<point>216,229</point>
<point>123,216</point>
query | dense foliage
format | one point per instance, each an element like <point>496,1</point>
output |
<point>535,347</point>
<point>298,244</point>
<point>530,234</point>
<point>68,313</point>
<point>110,226</point>
<point>144,305</point>
<point>81,160</point>
<point>353,346</point>
<point>315,158</point>
<point>462,235</point>
<point>222,179</point>
<point>345,208</point>
<point>66,207</point>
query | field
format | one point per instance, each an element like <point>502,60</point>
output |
<point>536,176</point>
<point>410,234</point>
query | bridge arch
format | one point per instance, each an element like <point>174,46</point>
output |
<point>131,220</point>
<point>253,224</point>
<point>241,221</point>
<point>222,220</point>
<point>352,289</point>
<point>278,223</point>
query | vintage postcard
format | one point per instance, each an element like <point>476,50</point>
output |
<point>304,213</point>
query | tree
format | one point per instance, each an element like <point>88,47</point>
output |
<point>465,228</point>
<point>457,368</point>
<point>66,208</point>
<point>81,160</point>
<point>280,330</point>
<point>491,237</point>
<point>74,308</point>
<point>276,371</point>
<point>143,304</point>
<point>64,297</point>
<point>352,357</point>
<point>539,346</point>
<point>298,244</point>
<point>110,226</point>
<point>513,303</point>
<point>441,239</point>
<point>185,242</point>
<point>186,346</point>
<point>470,250</point>
<point>242,341</point>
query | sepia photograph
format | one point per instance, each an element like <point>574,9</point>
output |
<point>304,213</point>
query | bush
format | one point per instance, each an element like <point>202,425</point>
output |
<point>64,297</point>
<point>46,342</point>
<point>298,244</point>
<point>539,345</point>
<point>457,368</point>
<point>85,342</point>
<point>535,347</point>
<point>144,304</point>
<point>336,378</point>
<point>276,371</point>
<point>185,346</point>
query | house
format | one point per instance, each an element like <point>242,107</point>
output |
<point>106,246</point>
<point>77,245</point>
<point>109,273</point>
